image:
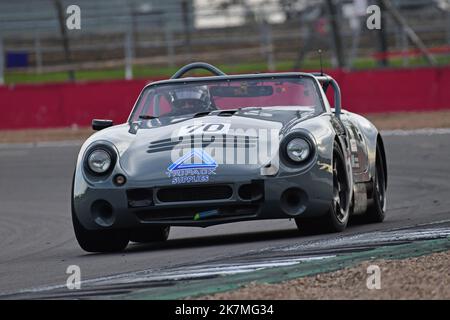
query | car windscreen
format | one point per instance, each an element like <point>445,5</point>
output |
<point>181,99</point>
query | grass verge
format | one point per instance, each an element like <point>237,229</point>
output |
<point>142,72</point>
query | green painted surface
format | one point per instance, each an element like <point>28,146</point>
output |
<point>145,72</point>
<point>198,287</point>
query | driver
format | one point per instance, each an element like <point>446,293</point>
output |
<point>188,100</point>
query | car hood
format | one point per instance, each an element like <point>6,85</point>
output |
<point>212,148</point>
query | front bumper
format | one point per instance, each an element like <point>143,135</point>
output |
<point>202,205</point>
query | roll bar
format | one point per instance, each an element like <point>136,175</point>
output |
<point>324,79</point>
<point>198,65</point>
<point>327,80</point>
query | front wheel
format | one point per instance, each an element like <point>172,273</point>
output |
<point>97,241</point>
<point>336,219</point>
<point>101,240</point>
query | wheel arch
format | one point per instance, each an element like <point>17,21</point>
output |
<point>380,144</point>
<point>342,144</point>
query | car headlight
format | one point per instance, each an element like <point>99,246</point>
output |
<point>99,161</point>
<point>298,149</point>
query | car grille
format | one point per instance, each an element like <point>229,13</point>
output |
<point>144,197</point>
<point>194,193</point>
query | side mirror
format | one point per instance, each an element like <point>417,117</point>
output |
<point>100,124</point>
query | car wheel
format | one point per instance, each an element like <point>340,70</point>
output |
<point>150,234</point>
<point>98,241</point>
<point>336,218</point>
<point>376,212</point>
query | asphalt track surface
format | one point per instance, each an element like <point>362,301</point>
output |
<point>38,244</point>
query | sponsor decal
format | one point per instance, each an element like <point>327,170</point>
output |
<point>206,214</point>
<point>193,167</point>
<point>353,145</point>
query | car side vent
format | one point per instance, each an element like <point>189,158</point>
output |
<point>201,114</point>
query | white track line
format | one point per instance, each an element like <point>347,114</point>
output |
<point>180,273</point>
<point>375,237</point>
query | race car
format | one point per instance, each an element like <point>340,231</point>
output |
<point>201,151</point>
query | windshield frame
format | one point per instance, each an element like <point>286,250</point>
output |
<point>230,78</point>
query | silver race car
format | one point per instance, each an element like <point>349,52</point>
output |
<point>226,148</point>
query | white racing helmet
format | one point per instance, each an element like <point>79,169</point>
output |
<point>191,100</point>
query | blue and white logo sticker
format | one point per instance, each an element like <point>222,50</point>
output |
<point>194,167</point>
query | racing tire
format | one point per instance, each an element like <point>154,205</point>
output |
<point>150,234</point>
<point>336,218</point>
<point>99,240</point>
<point>376,212</point>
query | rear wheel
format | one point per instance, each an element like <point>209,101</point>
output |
<point>376,212</point>
<point>336,219</point>
<point>150,234</point>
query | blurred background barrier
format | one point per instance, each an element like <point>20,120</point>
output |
<point>65,105</point>
<point>401,66</point>
<point>144,38</point>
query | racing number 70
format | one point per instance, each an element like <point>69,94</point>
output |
<point>206,128</point>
